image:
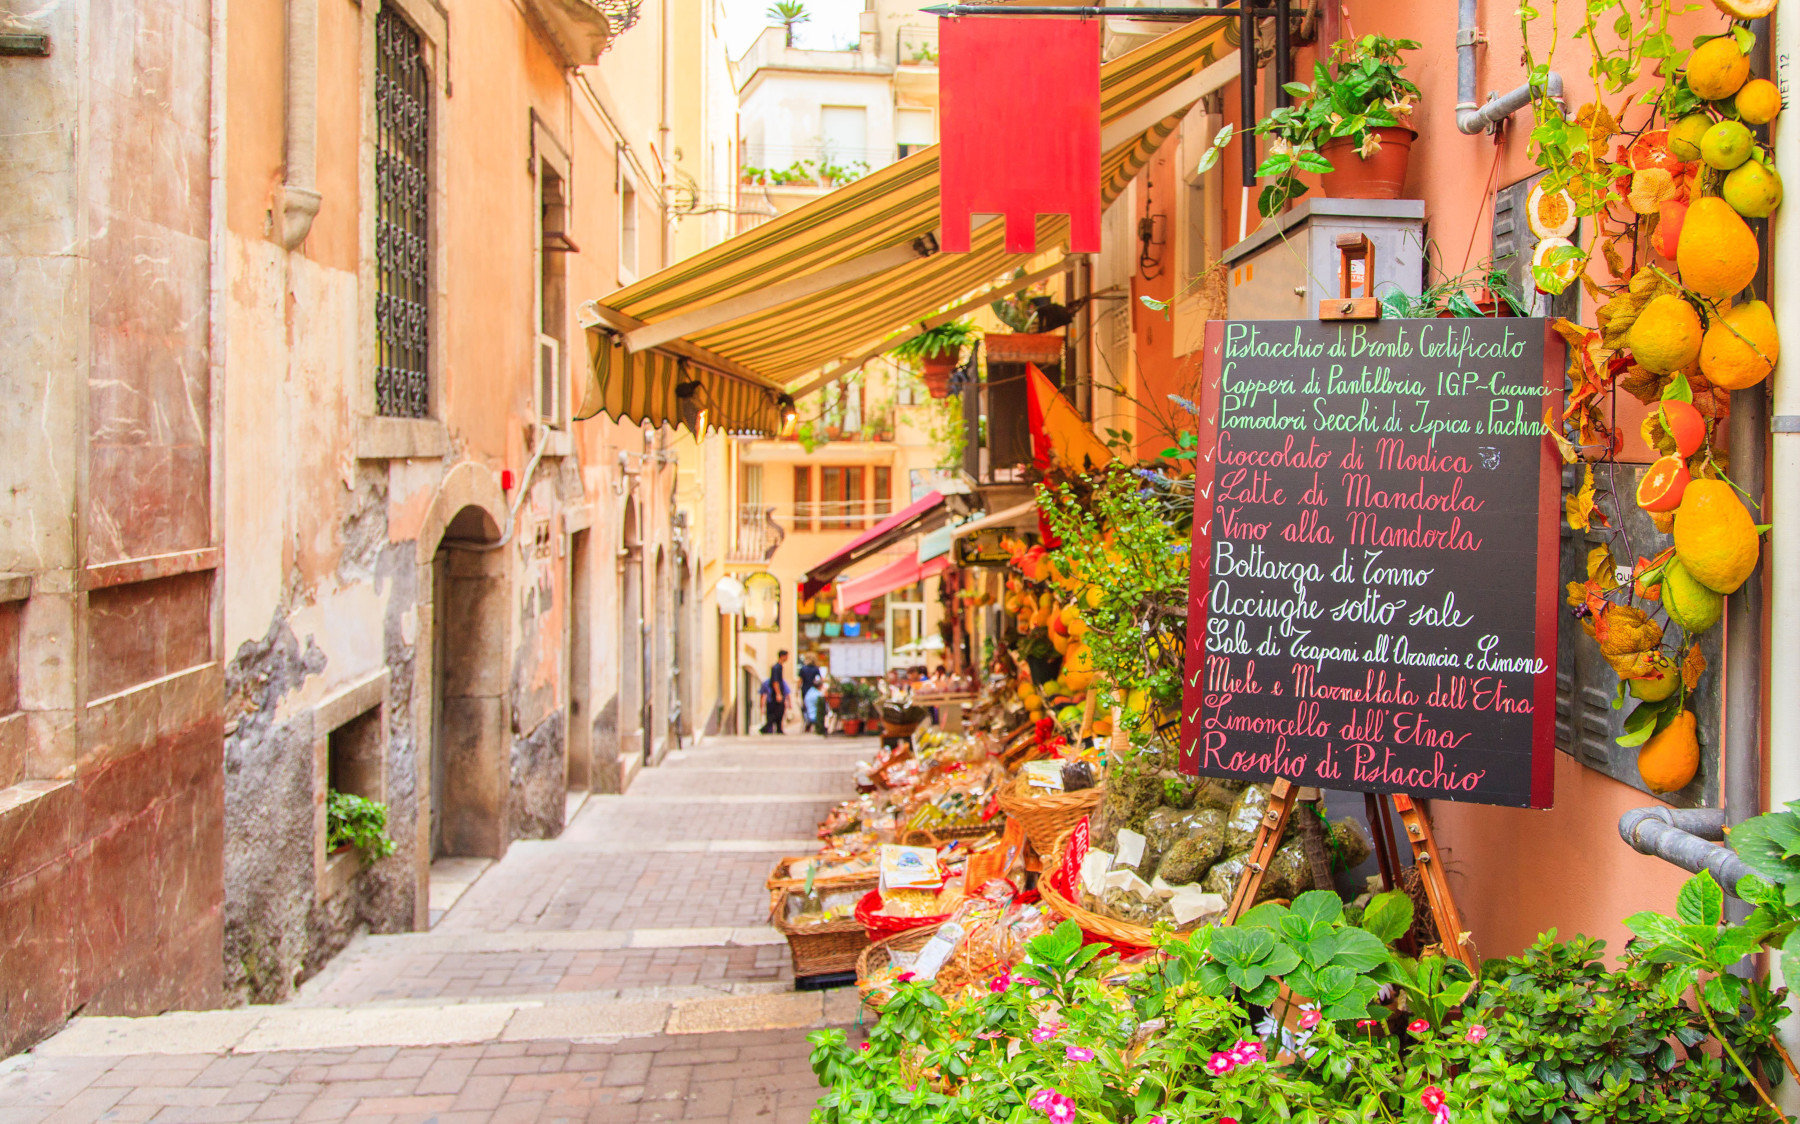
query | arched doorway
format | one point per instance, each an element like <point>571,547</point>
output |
<point>469,745</point>
<point>632,657</point>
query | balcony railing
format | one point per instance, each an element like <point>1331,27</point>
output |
<point>916,46</point>
<point>757,534</point>
<point>841,515</point>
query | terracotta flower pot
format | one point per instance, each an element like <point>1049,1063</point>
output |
<point>1374,177</point>
<point>852,726</point>
<point>1487,302</point>
<point>936,369</point>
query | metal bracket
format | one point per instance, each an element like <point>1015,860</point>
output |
<point>1785,423</point>
<point>31,44</point>
<point>1470,37</point>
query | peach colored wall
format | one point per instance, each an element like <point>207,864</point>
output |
<point>1517,872</point>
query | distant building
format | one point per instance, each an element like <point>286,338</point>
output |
<point>810,120</point>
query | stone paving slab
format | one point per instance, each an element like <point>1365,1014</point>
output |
<point>758,1075</point>
<point>623,972</point>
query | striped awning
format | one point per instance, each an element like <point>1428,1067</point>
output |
<point>841,273</point>
<point>654,386</point>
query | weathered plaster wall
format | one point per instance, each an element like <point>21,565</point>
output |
<point>110,787</point>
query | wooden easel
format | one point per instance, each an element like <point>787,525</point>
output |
<point>1285,795</point>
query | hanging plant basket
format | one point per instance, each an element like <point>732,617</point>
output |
<point>1379,176</point>
<point>936,370</point>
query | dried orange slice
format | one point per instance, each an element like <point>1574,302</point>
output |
<point>1662,487</point>
<point>1551,214</point>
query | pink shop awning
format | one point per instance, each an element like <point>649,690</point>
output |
<point>921,515</point>
<point>895,575</point>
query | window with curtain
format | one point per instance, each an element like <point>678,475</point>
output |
<point>803,494</point>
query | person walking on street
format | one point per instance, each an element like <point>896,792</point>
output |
<point>776,701</point>
<point>809,675</point>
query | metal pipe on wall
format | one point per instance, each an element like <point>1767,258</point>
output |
<point>1686,837</point>
<point>1473,118</point>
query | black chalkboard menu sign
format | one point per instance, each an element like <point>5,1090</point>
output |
<point>1373,597</point>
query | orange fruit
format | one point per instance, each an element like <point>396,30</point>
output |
<point>1684,425</point>
<point>1741,347</point>
<point>1566,270</point>
<point>1670,759</point>
<point>1672,214</point>
<point>1663,484</point>
<point>1717,68</point>
<point>1745,9</point>
<point>1717,254</point>
<point>1715,538</point>
<point>1759,102</point>
<point>1666,335</point>
<point>1684,136</point>
<point>1753,189</point>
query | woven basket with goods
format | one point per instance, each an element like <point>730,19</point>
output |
<point>821,943</point>
<point>1125,937</point>
<point>1046,816</point>
<point>878,924</point>
<point>851,874</point>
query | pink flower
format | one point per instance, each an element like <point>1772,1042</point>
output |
<point>1058,1108</point>
<point>1476,1033</point>
<point>1432,1098</point>
<point>1001,982</point>
<point>1155,1120</point>
<point>864,1046</point>
<point>1246,1052</point>
<point>1045,1033</point>
<point>904,977</point>
<point>988,1035</point>
<point>1365,1024</point>
<point>1029,982</point>
<point>1226,1120</point>
<point>1078,1053</point>
<point>1418,1026</point>
<point>1309,1019</point>
<point>1220,1064</point>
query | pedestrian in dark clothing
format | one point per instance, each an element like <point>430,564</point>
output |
<point>809,675</point>
<point>776,700</point>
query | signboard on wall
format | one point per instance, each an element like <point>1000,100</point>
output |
<point>1372,599</point>
<point>857,659</point>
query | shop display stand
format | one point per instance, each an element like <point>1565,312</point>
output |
<point>1284,796</point>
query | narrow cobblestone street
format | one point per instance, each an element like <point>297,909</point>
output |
<point>622,972</point>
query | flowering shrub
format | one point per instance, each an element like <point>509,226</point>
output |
<point>1206,1032</point>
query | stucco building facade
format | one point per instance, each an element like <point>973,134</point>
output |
<point>297,504</point>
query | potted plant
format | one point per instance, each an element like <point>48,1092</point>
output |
<point>1485,290</point>
<point>1349,126</point>
<point>937,352</point>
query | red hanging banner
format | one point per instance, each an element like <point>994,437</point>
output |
<point>1020,128</point>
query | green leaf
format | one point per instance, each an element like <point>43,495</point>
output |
<point>1318,907</point>
<point>1655,927</point>
<point>1701,901</point>
<point>1678,389</point>
<point>1153,304</point>
<point>1359,950</point>
<point>1754,843</point>
<point>1268,915</point>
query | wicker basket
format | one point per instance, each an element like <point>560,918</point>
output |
<point>872,958</point>
<point>1047,816</point>
<point>933,836</point>
<point>1122,935</point>
<point>774,882</point>
<point>822,949</point>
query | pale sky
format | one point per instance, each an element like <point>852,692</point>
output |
<point>833,24</point>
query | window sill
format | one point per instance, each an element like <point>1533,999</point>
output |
<point>341,869</point>
<point>379,438</point>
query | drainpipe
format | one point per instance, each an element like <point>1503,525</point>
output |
<point>1782,560</point>
<point>1686,837</point>
<point>1472,118</point>
<point>297,200</point>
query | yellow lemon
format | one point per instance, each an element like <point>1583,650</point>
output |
<point>1741,347</point>
<point>1714,536</point>
<point>1661,683</point>
<point>1753,189</point>
<point>1666,335</point>
<point>1727,144</point>
<point>1717,254</point>
<point>1670,759</point>
<point>1689,604</point>
<point>1717,68</point>
<point>1684,138</point>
